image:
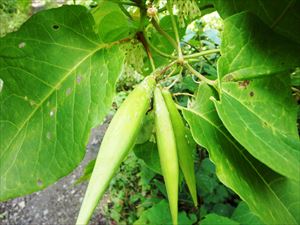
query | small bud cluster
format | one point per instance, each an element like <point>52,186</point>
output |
<point>187,9</point>
<point>134,55</point>
<point>152,11</point>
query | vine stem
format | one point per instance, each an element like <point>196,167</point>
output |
<point>159,73</point>
<point>181,93</point>
<point>179,107</point>
<point>122,2</point>
<point>177,79</point>
<point>173,83</point>
<point>125,11</point>
<point>170,9</point>
<point>142,39</point>
<point>199,75</point>
<point>202,53</point>
<point>162,32</point>
<point>157,50</point>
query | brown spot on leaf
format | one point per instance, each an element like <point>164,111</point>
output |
<point>251,93</point>
<point>244,84</point>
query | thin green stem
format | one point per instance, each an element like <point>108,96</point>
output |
<point>179,107</point>
<point>157,50</point>
<point>202,53</point>
<point>152,63</point>
<point>182,93</point>
<point>173,83</point>
<point>143,14</point>
<point>122,2</point>
<point>199,75</point>
<point>162,32</point>
<point>125,11</point>
<point>170,9</point>
<point>94,10</point>
<point>161,72</point>
<point>162,9</point>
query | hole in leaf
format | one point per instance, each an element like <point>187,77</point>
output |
<point>52,112</point>
<point>55,27</point>
<point>1,84</point>
<point>39,182</point>
<point>22,45</point>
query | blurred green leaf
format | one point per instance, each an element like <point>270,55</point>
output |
<point>244,216</point>
<point>147,128</point>
<point>148,152</point>
<point>160,214</point>
<point>214,219</point>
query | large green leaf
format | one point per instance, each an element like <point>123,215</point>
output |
<point>251,49</point>
<point>281,15</point>
<point>270,136</point>
<point>58,82</point>
<point>237,169</point>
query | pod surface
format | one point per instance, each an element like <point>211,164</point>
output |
<point>167,152</point>
<point>184,152</point>
<point>117,141</point>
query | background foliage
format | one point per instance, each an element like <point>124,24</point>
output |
<point>244,130</point>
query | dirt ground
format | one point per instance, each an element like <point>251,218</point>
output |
<point>58,204</point>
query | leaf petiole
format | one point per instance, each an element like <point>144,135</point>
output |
<point>164,33</point>
<point>170,9</point>
<point>157,50</point>
<point>199,75</point>
<point>202,53</point>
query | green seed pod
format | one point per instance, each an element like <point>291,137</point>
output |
<point>167,151</point>
<point>185,154</point>
<point>118,140</point>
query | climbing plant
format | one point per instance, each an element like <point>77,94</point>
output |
<point>58,75</point>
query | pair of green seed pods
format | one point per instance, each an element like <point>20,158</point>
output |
<point>120,138</point>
